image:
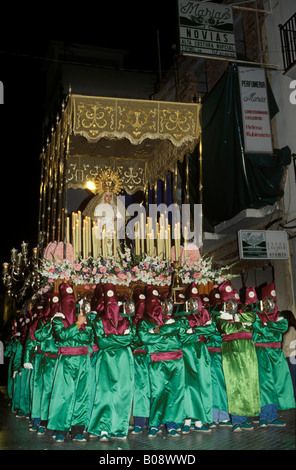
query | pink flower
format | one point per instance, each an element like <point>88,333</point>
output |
<point>65,276</point>
<point>51,281</point>
<point>197,275</point>
<point>51,270</point>
<point>77,267</point>
<point>103,269</point>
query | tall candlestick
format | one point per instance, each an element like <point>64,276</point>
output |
<point>115,244</point>
<point>142,227</point>
<point>94,250</point>
<point>79,232</point>
<point>169,242</point>
<point>68,230</point>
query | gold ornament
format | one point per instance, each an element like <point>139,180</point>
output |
<point>108,180</point>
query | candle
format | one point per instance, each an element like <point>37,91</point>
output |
<point>142,233</point>
<point>104,252</point>
<point>94,241</point>
<point>137,238</point>
<point>152,242</point>
<point>5,268</point>
<point>115,243</point>
<point>79,232</point>
<point>169,242</point>
<point>147,238</point>
<point>166,244</point>
<point>83,240</point>
<point>68,230</point>
<point>185,240</point>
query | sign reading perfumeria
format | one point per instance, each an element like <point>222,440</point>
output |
<point>206,29</point>
<point>255,110</point>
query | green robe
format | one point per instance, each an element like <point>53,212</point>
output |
<point>141,400</point>
<point>44,336</point>
<point>240,367</point>
<point>274,375</point>
<point>219,394</point>
<point>21,383</point>
<point>112,405</point>
<point>69,404</point>
<point>197,366</point>
<point>34,356</point>
<point>167,379</point>
<point>10,351</point>
<point>15,371</point>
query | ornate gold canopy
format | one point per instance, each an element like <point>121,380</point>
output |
<point>141,139</point>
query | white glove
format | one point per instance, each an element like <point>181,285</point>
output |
<point>190,331</point>
<point>236,318</point>
<point>171,320</point>
<point>226,316</point>
<point>126,331</point>
<point>27,365</point>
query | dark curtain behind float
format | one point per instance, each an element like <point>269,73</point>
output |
<point>232,180</point>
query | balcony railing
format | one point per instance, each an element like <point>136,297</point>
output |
<point>288,40</point>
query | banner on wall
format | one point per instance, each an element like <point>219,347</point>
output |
<point>206,29</point>
<point>255,110</point>
<point>263,244</point>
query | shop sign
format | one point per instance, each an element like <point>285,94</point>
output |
<point>206,29</point>
<point>255,110</point>
<point>263,244</point>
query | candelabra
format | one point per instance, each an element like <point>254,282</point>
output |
<point>21,273</point>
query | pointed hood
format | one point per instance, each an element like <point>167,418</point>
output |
<point>140,301</point>
<point>153,309</point>
<point>113,323</point>
<point>68,304</point>
<point>97,301</point>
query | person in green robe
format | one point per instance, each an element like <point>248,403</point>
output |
<point>276,387</point>
<point>16,366</point>
<point>32,363</point>
<point>114,333</point>
<point>69,403</point>
<point>239,360</point>
<point>196,325</point>
<point>141,399</point>
<point>97,309</point>
<point>10,347</point>
<point>159,334</point>
<point>49,350</point>
<point>213,343</point>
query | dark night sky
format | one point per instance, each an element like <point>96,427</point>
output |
<point>23,42</point>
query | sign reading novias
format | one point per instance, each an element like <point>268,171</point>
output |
<point>206,29</point>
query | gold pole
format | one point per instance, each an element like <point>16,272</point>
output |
<point>200,157</point>
<point>175,183</point>
<point>187,179</point>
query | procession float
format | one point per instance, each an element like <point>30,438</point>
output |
<point>113,205</point>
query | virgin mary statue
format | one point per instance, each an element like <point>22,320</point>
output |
<point>105,208</point>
